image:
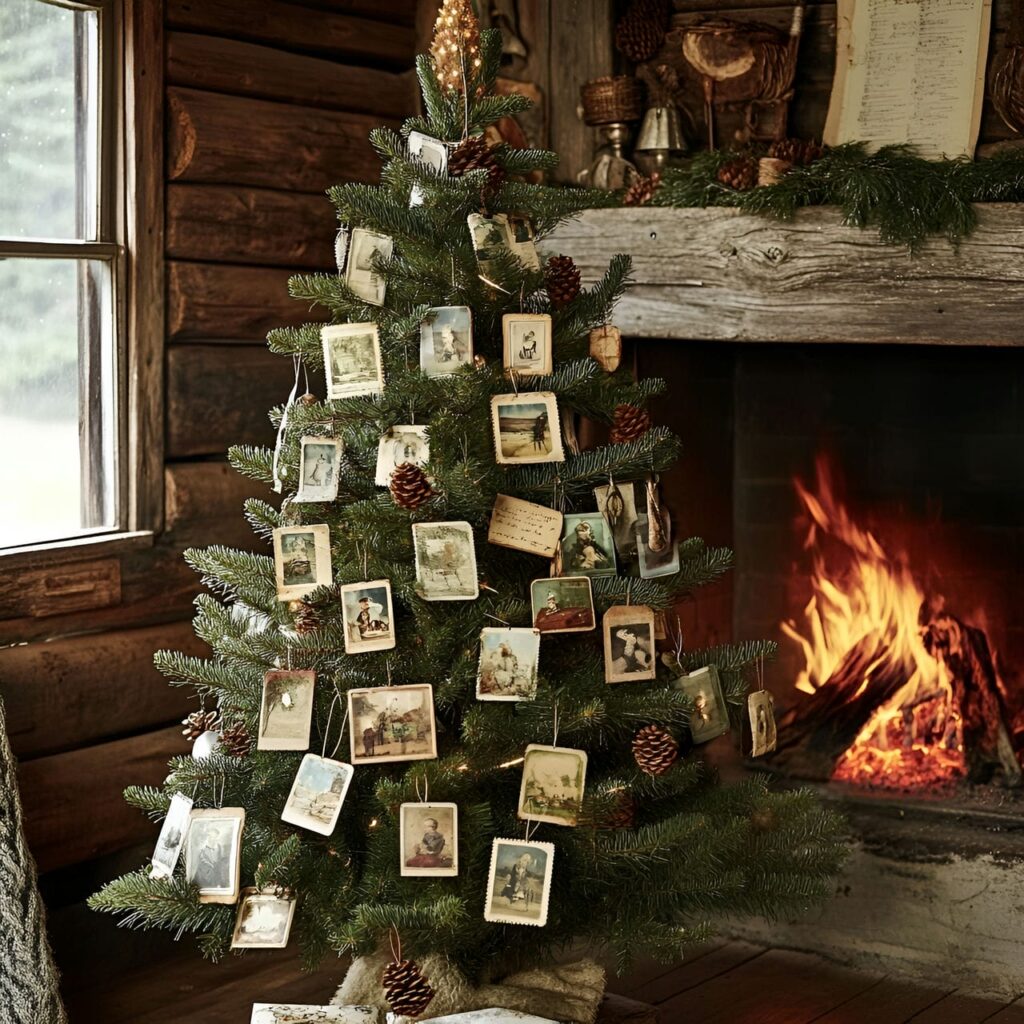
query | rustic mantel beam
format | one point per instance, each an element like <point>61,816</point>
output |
<point>721,275</point>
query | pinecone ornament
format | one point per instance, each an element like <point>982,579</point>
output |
<point>474,154</point>
<point>235,740</point>
<point>407,991</point>
<point>740,174</point>
<point>763,819</point>
<point>622,815</point>
<point>629,424</point>
<point>305,618</point>
<point>409,486</point>
<point>563,281</point>
<point>641,30</point>
<point>199,722</point>
<point>642,191</point>
<point>799,152</point>
<point>655,750</point>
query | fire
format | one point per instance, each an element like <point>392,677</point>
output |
<point>863,624</point>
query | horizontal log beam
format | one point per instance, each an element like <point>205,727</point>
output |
<point>400,12</point>
<point>246,69</point>
<point>58,589</point>
<point>232,224</point>
<point>230,303</point>
<point>104,685</point>
<point>239,141</point>
<point>279,24</point>
<point>218,395</point>
<point>721,275</point>
<point>205,504</point>
<point>74,809</point>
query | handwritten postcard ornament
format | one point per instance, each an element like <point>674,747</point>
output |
<point>525,526</point>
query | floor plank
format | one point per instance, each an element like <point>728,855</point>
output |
<point>961,1009</point>
<point>890,1001</point>
<point>1012,1014</point>
<point>775,988</point>
<point>692,973</point>
<point>646,972</point>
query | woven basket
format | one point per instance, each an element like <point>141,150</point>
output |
<point>611,99</point>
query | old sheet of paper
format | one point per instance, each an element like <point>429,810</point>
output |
<point>910,71</point>
<point>525,526</point>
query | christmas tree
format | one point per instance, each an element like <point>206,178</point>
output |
<point>406,728</point>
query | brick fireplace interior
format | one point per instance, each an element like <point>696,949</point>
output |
<point>911,461</point>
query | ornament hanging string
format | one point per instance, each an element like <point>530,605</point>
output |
<point>334,703</point>
<point>554,735</point>
<point>281,430</point>
<point>504,622</point>
<point>396,944</point>
<point>425,799</point>
<point>530,829</point>
<point>759,670</point>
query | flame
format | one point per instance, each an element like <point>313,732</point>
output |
<point>865,599</point>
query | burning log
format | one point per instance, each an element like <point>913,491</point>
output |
<point>815,733</point>
<point>966,654</point>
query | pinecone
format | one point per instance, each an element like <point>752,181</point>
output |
<point>641,192</point>
<point>199,722</point>
<point>473,154</point>
<point>763,819</point>
<point>409,486</point>
<point>655,750</point>
<point>629,424</point>
<point>563,281</point>
<point>800,152</point>
<point>740,174</point>
<point>406,990</point>
<point>641,30</point>
<point>235,740</point>
<point>306,618</point>
<point>622,815</point>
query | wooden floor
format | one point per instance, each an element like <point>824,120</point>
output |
<point>726,983</point>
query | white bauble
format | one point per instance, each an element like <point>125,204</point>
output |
<point>205,745</point>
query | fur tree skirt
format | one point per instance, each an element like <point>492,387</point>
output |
<point>569,992</point>
<point>29,992</point>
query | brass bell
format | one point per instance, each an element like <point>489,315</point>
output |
<point>661,138</point>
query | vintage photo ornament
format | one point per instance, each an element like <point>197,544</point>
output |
<point>527,341</point>
<point>405,443</point>
<point>352,361</point>
<point>445,561</point>
<point>430,153</point>
<point>606,347</point>
<point>509,659</point>
<point>710,717</point>
<point>264,919</point>
<point>319,468</point>
<point>562,605</point>
<point>302,560</point>
<point>527,428</point>
<point>172,837</point>
<point>761,710</point>
<point>213,853</point>
<point>446,340</point>
<point>429,840</point>
<point>364,248</point>
<point>519,882</point>
<point>317,794</point>
<point>629,654</point>
<point>286,709</point>
<point>552,785</point>
<point>368,615</point>
<point>587,548</point>
<point>392,723</point>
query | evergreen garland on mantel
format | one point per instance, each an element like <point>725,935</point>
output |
<point>905,196</point>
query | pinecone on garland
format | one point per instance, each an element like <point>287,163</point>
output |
<point>235,740</point>
<point>409,486</point>
<point>563,281</point>
<point>407,991</point>
<point>799,152</point>
<point>740,174</point>
<point>655,750</point>
<point>306,618</point>
<point>474,154</point>
<point>641,30</point>
<point>629,424</point>
<point>199,722</point>
<point>642,191</point>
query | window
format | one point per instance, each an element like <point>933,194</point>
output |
<point>61,272</point>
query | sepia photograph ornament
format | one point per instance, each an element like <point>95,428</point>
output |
<point>562,278</point>
<point>406,989</point>
<point>655,750</point>
<point>410,486</point>
<point>199,722</point>
<point>606,347</point>
<point>628,424</point>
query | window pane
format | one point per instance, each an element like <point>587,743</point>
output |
<point>48,120</point>
<point>57,400</point>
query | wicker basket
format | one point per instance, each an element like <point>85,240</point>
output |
<point>611,99</point>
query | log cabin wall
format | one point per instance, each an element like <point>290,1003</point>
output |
<point>267,103</point>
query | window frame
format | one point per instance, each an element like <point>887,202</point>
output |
<point>129,222</point>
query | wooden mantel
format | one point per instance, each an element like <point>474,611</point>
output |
<point>721,275</point>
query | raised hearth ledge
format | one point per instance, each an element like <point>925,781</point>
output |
<point>723,275</point>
